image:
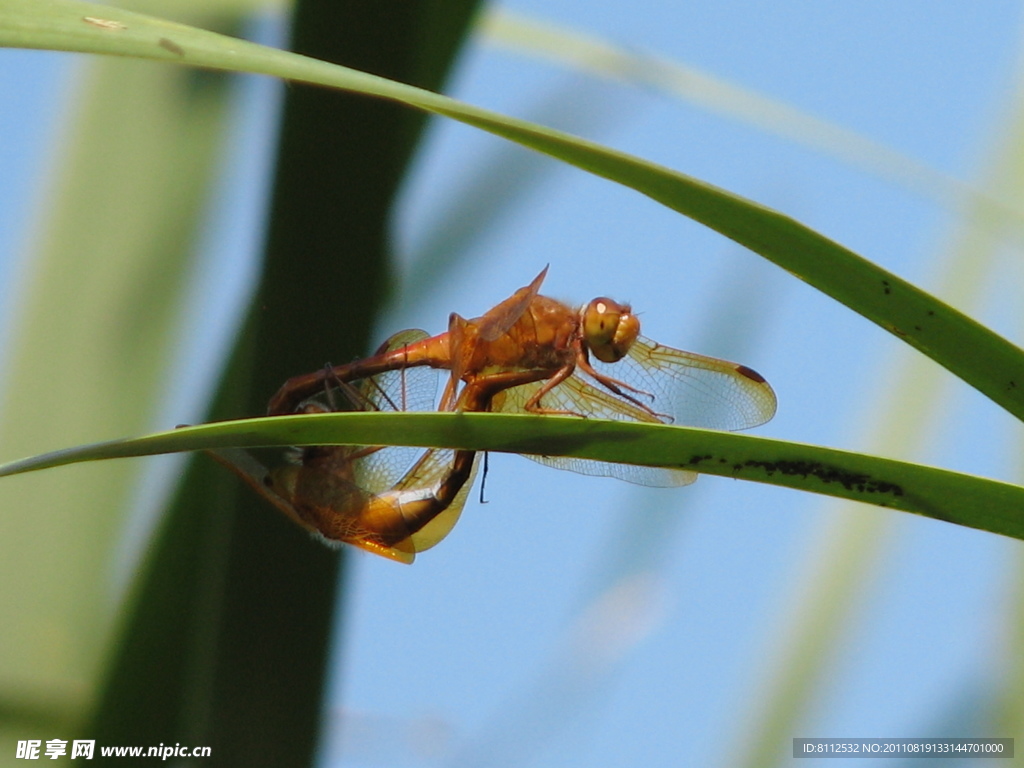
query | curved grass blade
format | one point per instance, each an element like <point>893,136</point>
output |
<point>590,54</point>
<point>975,502</point>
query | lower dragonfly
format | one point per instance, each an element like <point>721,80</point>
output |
<point>391,501</point>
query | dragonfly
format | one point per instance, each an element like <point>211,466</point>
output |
<point>392,501</point>
<point>535,354</point>
<point>528,354</point>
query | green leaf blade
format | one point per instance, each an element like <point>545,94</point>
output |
<point>953,497</point>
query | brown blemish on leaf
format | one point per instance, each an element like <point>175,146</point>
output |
<point>851,481</point>
<point>826,474</point>
<point>173,47</point>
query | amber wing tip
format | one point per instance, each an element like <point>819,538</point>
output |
<point>751,374</point>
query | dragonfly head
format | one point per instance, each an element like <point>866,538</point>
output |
<point>609,329</point>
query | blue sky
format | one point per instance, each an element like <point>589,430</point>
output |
<point>489,618</point>
<point>581,621</point>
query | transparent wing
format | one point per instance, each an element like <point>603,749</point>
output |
<point>464,335</point>
<point>694,390</point>
<point>575,394</point>
<point>497,321</point>
<point>377,469</point>
<point>679,388</point>
<point>399,468</point>
<point>654,477</point>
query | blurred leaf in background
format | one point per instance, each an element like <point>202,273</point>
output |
<point>100,296</point>
<point>228,635</point>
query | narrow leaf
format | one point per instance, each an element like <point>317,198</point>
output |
<point>950,496</point>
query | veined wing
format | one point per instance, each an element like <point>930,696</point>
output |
<point>406,389</point>
<point>693,390</point>
<point>498,320</point>
<point>394,471</point>
<point>679,387</point>
<point>403,389</point>
<point>578,396</point>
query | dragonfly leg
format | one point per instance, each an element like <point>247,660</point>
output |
<point>618,387</point>
<point>533,404</point>
<point>479,390</point>
<point>447,402</point>
<point>357,399</point>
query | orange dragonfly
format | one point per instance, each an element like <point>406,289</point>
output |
<point>535,354</point>
<point>391,501</point>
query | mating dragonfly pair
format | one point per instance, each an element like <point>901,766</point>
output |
<point>529,354</point>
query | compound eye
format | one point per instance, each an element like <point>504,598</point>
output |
<point>609,329</point>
